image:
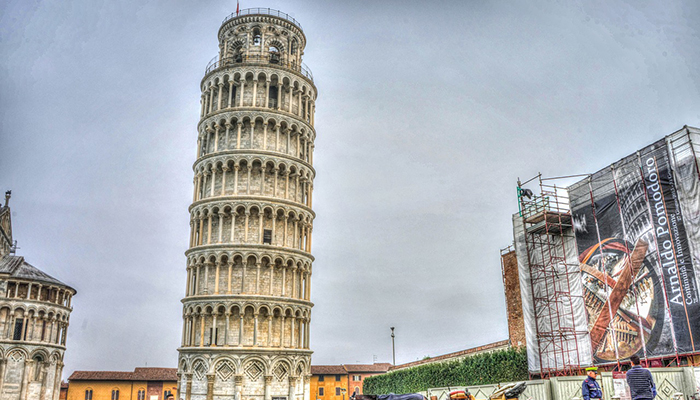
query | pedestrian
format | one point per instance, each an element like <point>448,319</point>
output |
<point>640,381</point>
<point>590,388</point>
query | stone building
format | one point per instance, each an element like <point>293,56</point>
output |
<point>34,313</point>
<point>247,307</point>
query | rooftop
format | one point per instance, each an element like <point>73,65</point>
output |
<point>16,267</point>
<point>348,368</point>
<point>139,374</point>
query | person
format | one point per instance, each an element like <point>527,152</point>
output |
<point>640,381</point>
<point>590,388</point>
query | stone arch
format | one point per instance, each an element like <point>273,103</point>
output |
<point>16,354</point>
<point>281,370</point>
<point>224,370</point>
<point>254,369</point>
<point>200,369</point>
<point>183,367</point>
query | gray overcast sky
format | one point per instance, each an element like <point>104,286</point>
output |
<point>427,114</point>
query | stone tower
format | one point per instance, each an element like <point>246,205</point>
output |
<point>34,315</point>
<point>247,303</point>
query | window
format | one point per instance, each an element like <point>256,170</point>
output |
<point>115,394</point>
<point>337,391</point>
<point>337,379</point>
<point>19,324</point>
<point>257,37</point>
<point>320,378</point>
<point>238,55</point>
<point>356,391</point>
<point>88,394</point>
<point>356,378</point>
<point>274,55</point>
<point>267,236</point>
<point>320,391</point>
<point>272,96</point>
<point>141,395</point>
<point>166,394</point>
<point>38,359</point>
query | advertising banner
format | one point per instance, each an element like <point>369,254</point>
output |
<point>640,286</point>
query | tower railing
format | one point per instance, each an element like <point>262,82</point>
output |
<point>272,59</point>
<point>263,11</point>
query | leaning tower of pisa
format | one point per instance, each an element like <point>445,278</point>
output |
<point>247,307</point>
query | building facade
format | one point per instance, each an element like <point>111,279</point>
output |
<point>328,382</point>
<point>142,384</point>
<point>357,373</point>
<point>247,307</point>
<point>34,313</point>
<point>339,382</point>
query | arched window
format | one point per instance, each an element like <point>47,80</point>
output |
<point>141,395</point>
<point>38,360</point>
<point>88,394</point>
<point>294,47</point>
<point>274,55</point>
<point>257,37</point>
<point>238,54</point>
<point>272,96</point>
<point>115,394</point>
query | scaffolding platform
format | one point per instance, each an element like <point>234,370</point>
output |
<point>548,222</point>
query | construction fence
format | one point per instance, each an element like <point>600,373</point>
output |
<point>669,382</point>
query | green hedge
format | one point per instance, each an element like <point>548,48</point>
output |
<point>481,369</point>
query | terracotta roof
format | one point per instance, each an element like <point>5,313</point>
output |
<point>473,350</point>
<point>328,370</point>
<point>155,374</point>
<point>139,374</point>
<point>64,385</point>
<point>16,267</point>
<point>377,367</point>
<point>100,376</point>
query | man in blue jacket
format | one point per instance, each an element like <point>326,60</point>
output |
<point>590,388</point>
<point>640,381</point>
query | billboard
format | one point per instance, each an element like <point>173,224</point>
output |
<point>636,225</point>
<point>616,272</point>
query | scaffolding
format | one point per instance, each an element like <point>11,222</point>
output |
<point>614,246</point>
<point>560,330</point>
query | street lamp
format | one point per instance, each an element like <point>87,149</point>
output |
<point>393,348</point>
<point>343,390</point>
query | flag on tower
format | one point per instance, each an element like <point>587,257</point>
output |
<point>237,7</point>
